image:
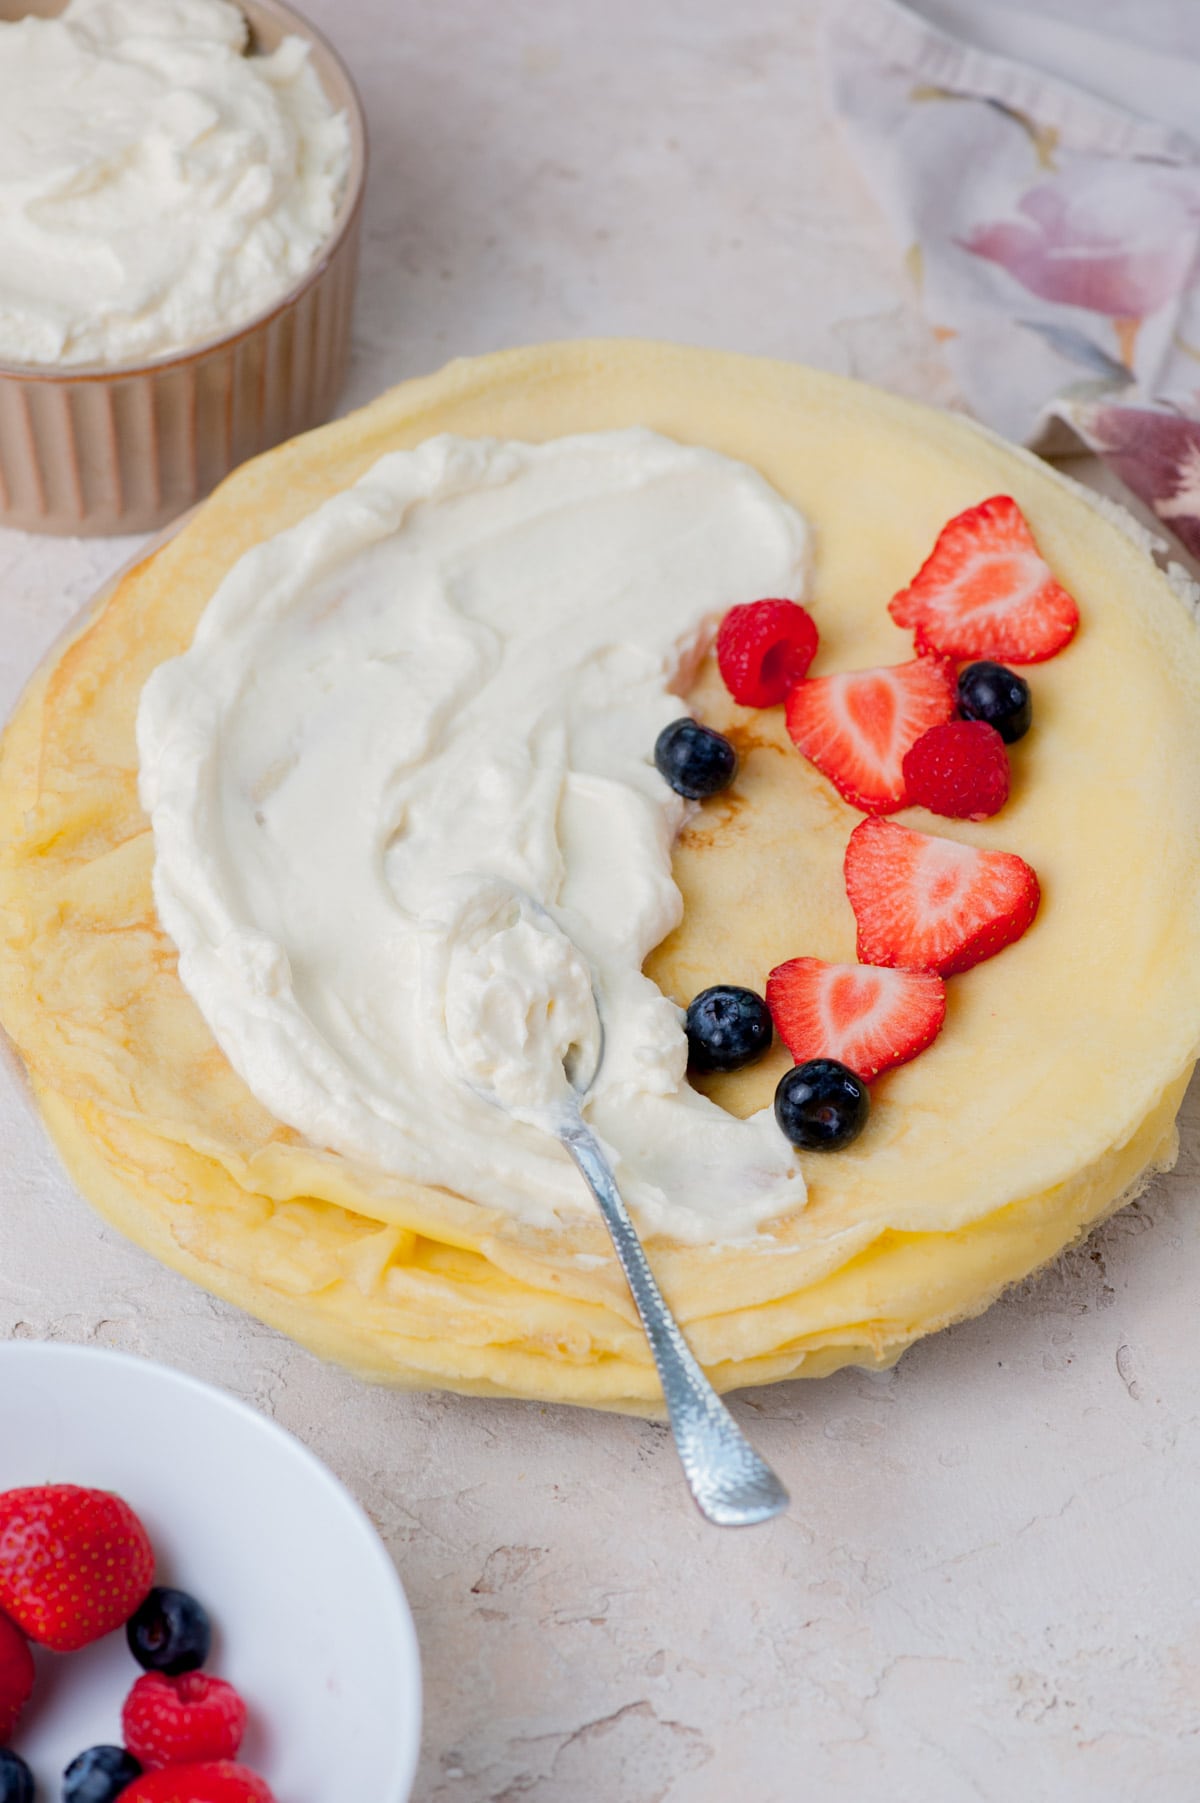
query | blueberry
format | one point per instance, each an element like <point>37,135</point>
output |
<point>170,1633</point>
<point>99,1775</point>
<point>695,760</point>
<point>993,693</point>
<point>16,1779</point>
<point>821,1106</point>
<point>726,1028</point>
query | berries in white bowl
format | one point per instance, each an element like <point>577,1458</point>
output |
<point>76,1564</point>
<point>308,1621</point>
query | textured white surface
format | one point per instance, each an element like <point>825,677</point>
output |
<point>987,1585</point>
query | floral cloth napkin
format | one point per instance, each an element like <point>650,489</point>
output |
<point>1044,180</point>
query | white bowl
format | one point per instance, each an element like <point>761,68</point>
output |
<point>310,1621</point>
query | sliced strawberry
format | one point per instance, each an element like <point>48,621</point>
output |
<point>931,904</point>
<point>867,1018</point>
<point>856,727</point>
<point>985,590</point>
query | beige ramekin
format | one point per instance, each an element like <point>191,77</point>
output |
<point>95,450</point>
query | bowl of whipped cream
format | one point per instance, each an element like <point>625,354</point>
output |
<point>181,188</point>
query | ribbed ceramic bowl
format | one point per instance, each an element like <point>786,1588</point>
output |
<point>95,450</point>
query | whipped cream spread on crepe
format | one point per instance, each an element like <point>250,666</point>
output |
<point>410,840</point>
<point>157,185</point>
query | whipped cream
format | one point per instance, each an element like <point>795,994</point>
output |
<point>410,841</point>
<point>157,185</point>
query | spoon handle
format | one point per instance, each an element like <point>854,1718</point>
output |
<point>731,1484</point>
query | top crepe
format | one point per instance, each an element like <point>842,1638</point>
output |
<point>1053,1087</point>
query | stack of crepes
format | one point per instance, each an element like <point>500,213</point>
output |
<point>1049,1097</point>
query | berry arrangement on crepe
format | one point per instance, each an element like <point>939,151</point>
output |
<point>75,1565</point>
<point>923,733</point>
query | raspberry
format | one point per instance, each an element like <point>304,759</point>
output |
<point>764,649</point>
<point>218,1782</point>
<point>16,1677</point>
<point>959,769</point>
<point>179,1721</point>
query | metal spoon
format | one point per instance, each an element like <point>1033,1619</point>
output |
<point>731,1484</point>
<point>733,1487</point>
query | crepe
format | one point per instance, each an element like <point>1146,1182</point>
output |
<point>1050,1096</point>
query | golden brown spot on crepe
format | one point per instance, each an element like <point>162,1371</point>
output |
<point>717,820</point>
<point>750,738</point>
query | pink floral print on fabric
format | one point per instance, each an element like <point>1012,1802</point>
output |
<point>1106,236</point>
<point>1157,456</point>
<point>1054,236</point>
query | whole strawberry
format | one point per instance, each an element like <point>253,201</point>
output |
<point>217,1781</point>
<point>16,1676</point>
<point>74,1563</point>
<point>182,1721</point>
